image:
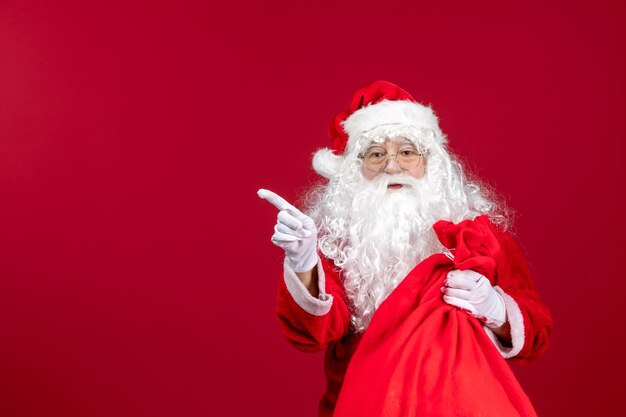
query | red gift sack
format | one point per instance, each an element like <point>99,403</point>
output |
<point>423,357</point>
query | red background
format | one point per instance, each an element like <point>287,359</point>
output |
<point>136,273</point>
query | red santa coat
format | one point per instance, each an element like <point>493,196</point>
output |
<point>419,355</point>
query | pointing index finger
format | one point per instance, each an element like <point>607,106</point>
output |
<point>277,201</point>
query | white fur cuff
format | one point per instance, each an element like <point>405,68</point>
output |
<point>516,321</point>
<point>315,306</point>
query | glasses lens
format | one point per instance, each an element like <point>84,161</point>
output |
<point>408,158</point>
<point>375,159</point>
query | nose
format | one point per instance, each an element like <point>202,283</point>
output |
<point>392,166</point>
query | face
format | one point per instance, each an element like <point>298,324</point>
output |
<point>394,156</point>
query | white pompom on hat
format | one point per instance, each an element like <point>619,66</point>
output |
<point>380,106</point>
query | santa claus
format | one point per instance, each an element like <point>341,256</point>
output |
<point>403,270</point>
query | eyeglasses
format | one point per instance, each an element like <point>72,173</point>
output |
<point>376,158</point>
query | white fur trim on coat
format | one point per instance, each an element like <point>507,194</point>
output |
<point>315,306</point>
<point>516,321</point>
<point>326,163</point>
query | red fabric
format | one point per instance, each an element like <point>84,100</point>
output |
<point>370,94</point>
<point>310,333</point>
<point>421,356</point>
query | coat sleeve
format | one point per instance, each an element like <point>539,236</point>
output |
<point>531,321</point>
<point>310,323</point>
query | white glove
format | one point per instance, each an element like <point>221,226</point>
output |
<point>295,233</point>
<point>473,292</point>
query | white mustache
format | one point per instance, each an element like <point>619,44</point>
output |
<point>384,180</point>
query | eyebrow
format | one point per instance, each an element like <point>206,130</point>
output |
<point>405,142</point>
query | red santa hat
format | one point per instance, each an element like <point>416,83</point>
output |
<point>380,104</point>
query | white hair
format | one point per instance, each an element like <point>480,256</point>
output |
<point>376,235</point>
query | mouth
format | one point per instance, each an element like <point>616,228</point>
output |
<point>395,186</point>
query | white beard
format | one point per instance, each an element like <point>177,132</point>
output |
<point>378,235</point>
<point>390,232</point>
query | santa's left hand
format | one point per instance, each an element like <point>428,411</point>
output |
<point>473,292</point>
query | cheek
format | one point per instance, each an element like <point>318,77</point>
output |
<point>367,174</point>
<point>417,172</point>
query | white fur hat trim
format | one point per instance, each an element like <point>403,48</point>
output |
<point>401,113</point>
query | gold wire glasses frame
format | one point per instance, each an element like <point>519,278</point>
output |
<point>376,158</point>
